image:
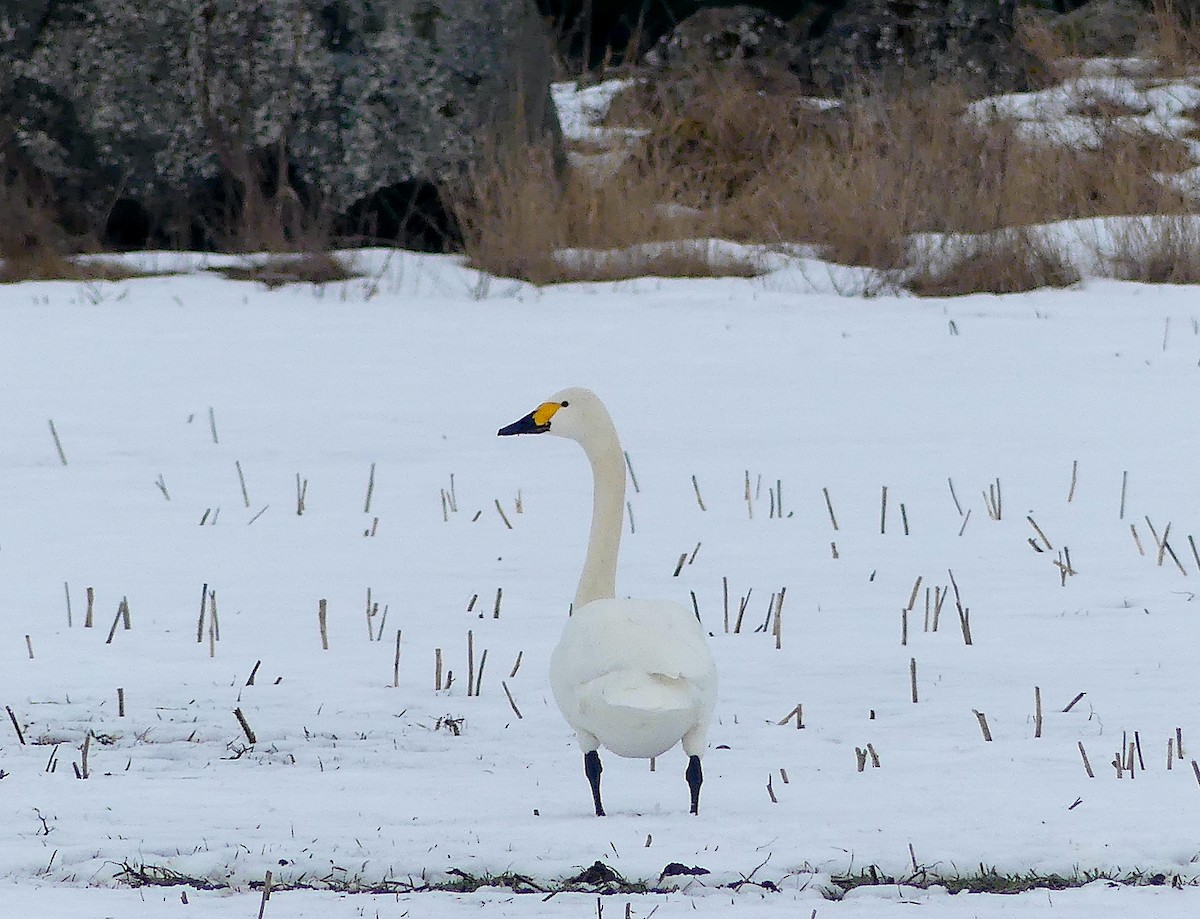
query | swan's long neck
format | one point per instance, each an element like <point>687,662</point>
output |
<point>599,578</point>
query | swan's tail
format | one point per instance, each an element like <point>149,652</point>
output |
<point>638,714</point>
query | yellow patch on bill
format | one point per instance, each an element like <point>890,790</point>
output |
<point>544,412</point>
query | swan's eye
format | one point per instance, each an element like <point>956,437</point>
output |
<point>564,404</point>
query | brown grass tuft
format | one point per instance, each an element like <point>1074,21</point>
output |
<point>303,268</point>
<point>1006,262</point>
<point>1159,250</point>
<point>722,158</point>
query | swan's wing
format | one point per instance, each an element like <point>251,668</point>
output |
<point>644,636</point>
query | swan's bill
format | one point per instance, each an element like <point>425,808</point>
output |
<point>536,422</point>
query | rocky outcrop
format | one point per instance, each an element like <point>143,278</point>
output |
<point>831,46</point>
<point>178,113</point>
<point>969,42</point>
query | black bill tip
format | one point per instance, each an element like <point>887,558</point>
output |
<point>524,425</point>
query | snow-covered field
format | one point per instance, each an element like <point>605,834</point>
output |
<point>354,781</point>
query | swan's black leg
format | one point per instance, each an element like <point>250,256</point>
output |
<point>695,776</point>
<point>592,769</point>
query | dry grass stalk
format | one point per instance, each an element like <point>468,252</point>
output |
<point>912,597</point>
<point>496,607</point>
<point>199,622</point>
<point>1074,702</point>
<point>396,663</point>
<point>983,725</point>
<point>1136,539</point>
<point>797,713</point>
<point>725,600</point>
<point>237,713</point>
<point>829,507</point>
<point>516,665</point>
<point>883,511</point>
<point>85,772</point>
<point>966,520</point>
<point>1179,742</point>
<point>120,702</point>
<point>266,894</point>
<point>371,489</point>
<point>912,675</point>
<point>57,443</point>
<point>1037,529</point>
<point>745,601</point>
<point>470,662</point>
<point>632,476</point>
<point>29,646</point>
<point>508,695</point>
<point>679,564</point>
<point>1124,487</point>
<point>1037,711</point>
<point>242,482</point>
<point>1196,770</point>
<point>301,495</point>
<point>1074,473</point>
<point>479,676</point>
<point>778,630</point>
<point>771,790</point>
<point>860,758</point>
<point>16,725</point>
<point>437,669</point>
<point>503,516</point>
<point>322,608</point>
<point>1170,753</point>
<point>903,627</point>
<point>91,599</point>
<point>699,499</point>
<point>1086,764</point>
<point>122,615</point>
<point>874,756</point>
<point>957,505</point>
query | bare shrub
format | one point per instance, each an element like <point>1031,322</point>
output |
<point>1157,250</point>
<point>1005,262</point>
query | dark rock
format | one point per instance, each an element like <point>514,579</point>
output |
<point>675,868</point>
<point>598,875</point>
<point>170,119</point>
<point>593,32</point>
<point>1102,27</point>
<point>713,37</point>
<point>971,43</point>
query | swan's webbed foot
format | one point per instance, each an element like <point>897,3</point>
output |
<point>592,769</point>
<point>695,777</point>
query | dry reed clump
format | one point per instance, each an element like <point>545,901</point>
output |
<point>521,218</point>
<point>1005,262</point>
<point>300,268</point>
<point>1157,250</point>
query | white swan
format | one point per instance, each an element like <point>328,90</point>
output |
<point>635,676</point>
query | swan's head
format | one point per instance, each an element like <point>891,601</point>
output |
<point>572,413</point>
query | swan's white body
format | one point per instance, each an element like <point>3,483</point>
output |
<point>634,676</point>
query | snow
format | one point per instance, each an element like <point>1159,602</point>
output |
<point>413,368</point>
<point>1074,403</point>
